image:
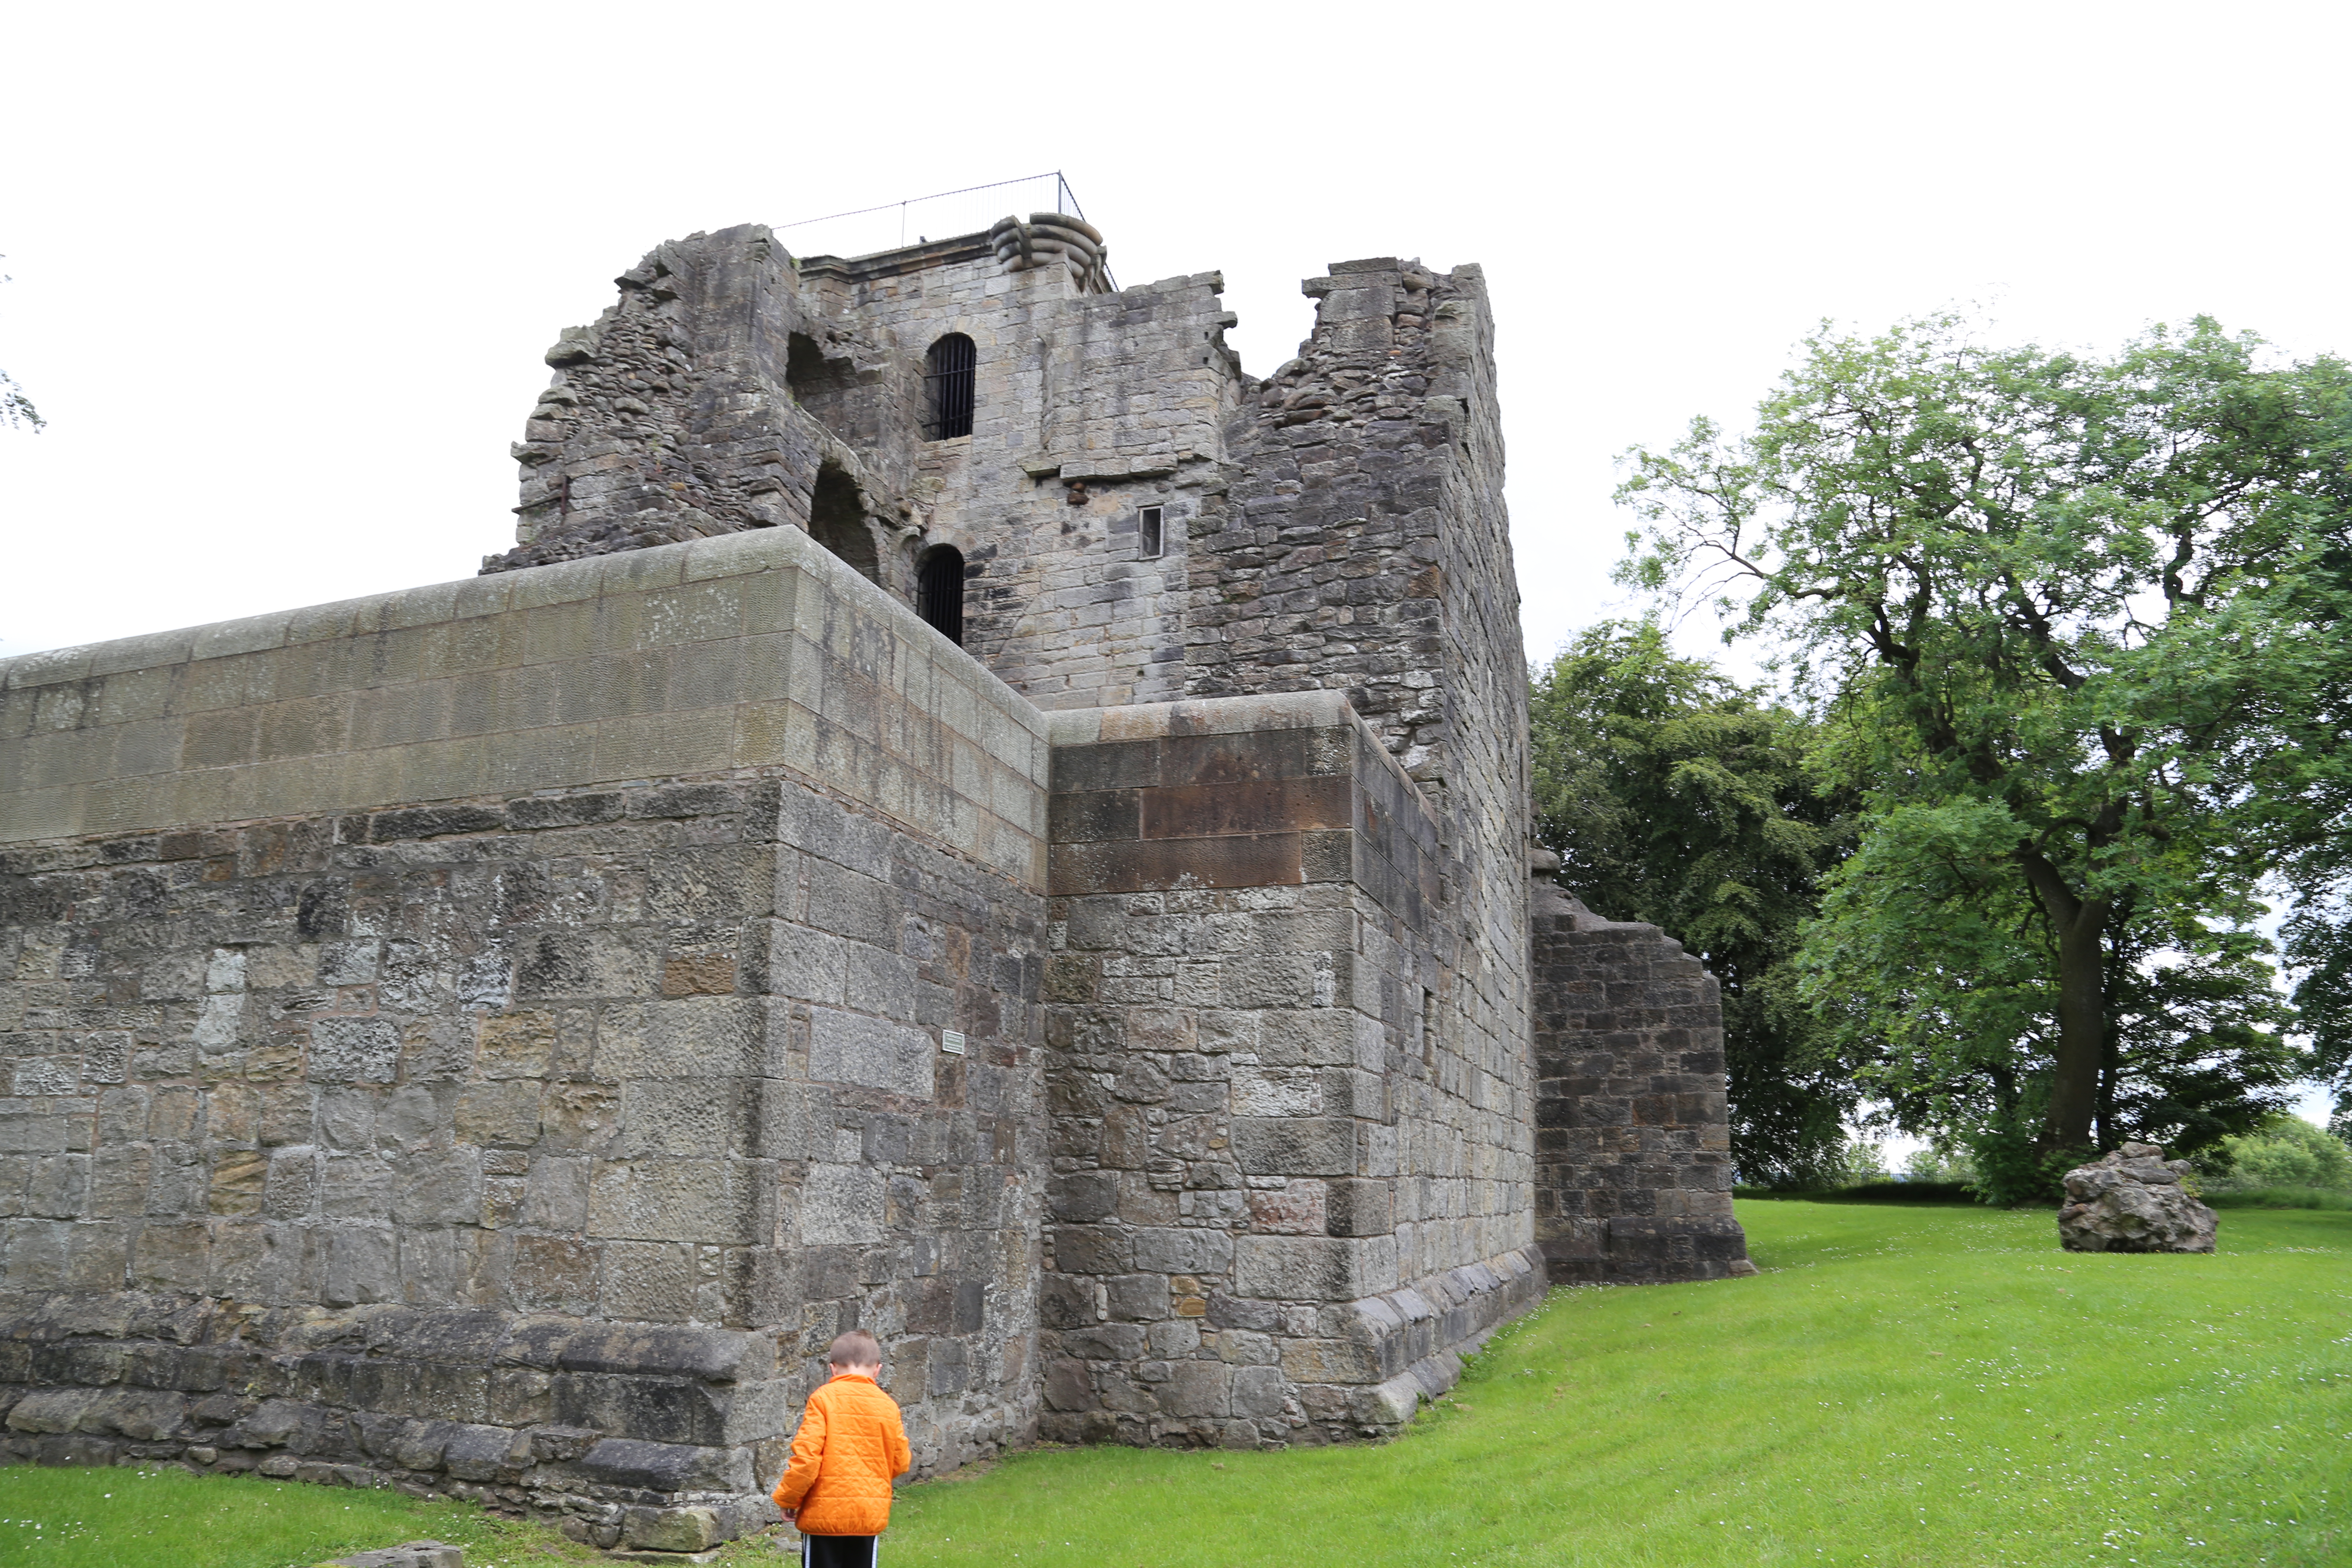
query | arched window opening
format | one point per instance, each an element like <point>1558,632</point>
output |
<point>938,591</point>
<point>948,388</point>
<point>837,522</point>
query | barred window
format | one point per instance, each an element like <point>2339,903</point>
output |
<point>948,388</point>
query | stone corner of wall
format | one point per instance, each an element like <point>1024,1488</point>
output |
<point>1433,1323</point>
<point>1635,1249</point>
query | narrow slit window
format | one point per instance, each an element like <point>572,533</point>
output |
<point>948,388</point>
<point>938,591</point>
<point>1150,540</point>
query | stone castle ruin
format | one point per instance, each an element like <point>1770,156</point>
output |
<point>963,814</point>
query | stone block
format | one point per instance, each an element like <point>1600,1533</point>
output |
<point>1197,1388</point>
<point>701,1116</point>
<point>412,1554</point>
<point>1085,1197</point>
<point>806,962</point>
<point>1295,1146</point>
<point>1360,1207</point>
<point>690,1529</point>
<point>667,1467</point>
<point>843,1205</point>
<point>1120,1342</point>
<point>1259,1391</point>
<point>876,1053</point>
<point>473,1453</point>
<point>700,1036</point>
<point>647,1281</point>
<point>51,1410</point>
<point>667,1198</point>
<point>353,1050</point>
<point>1184,1251</point>
<point>1314,1269</point>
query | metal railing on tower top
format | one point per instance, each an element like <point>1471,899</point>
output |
<point>919,219</point>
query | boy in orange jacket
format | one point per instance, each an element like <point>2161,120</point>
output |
<point>851,1443</point>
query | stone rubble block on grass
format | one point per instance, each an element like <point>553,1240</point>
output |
<point>2132,1201</point>
<point>411,1554</point>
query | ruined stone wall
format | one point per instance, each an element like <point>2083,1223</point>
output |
<point>729,377</point>
<point>523,1114</point>
<point>490,1037</point>
<point>1363,545</point>
<point>1245,897</point>
<point>1632,1142</point>
<point>670,417</point>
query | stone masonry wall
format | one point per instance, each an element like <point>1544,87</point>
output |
<point>1632,1143</point>
<point>1243,895</point>
<point>1363,545</point>
<point>489,1037</point>
<point>1086,407</point>
<point>529,1146</point>
<point>670,417</point>
<point>729,376</point>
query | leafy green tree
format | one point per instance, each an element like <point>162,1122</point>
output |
<point>2010,574</point>
<point>2283,1151</point>
<point>1673,796</point>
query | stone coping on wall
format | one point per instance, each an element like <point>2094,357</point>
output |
<point>725,655</point>
<point>1233,792</point>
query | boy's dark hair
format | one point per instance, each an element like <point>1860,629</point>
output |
<point>854,1348</point>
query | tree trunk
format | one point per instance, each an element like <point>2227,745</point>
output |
<point>2081,925</point>
<point>2110,1067</point>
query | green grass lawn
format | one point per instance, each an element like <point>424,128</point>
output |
<point>1934,1386</point>
<point>170,1518</point>
<point>1902,1386</point>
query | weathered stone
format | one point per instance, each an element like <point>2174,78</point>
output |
<point>709,930</point>
<point>413,1554</point>
<point>2131,1200</point>
<point>1632,1153</point>
<point>670,1528</point>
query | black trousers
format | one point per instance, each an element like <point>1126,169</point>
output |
<point>840,1551</point>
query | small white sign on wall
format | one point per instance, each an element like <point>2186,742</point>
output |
<point>952,1042</point>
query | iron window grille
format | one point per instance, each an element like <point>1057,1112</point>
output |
<point>948,388</point>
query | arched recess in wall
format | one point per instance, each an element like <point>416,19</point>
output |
<point>818,385</point>
<point>948,386</point>
<point>938,591</point>
<point>838,521</point>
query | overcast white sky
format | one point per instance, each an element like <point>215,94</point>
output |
<point>283,275</point>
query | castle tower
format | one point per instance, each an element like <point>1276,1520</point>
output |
<point>962,814</point>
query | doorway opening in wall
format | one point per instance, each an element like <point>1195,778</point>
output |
<point>938,591</point>
<point>1149,541</point>
<point>948,377</point>
<point>838,521</point>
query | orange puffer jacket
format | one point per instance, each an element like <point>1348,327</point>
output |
<point>850,1444</point>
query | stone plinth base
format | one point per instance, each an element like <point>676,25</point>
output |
<point>1632,1250</point>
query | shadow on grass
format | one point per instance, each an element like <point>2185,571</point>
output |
<point>1870,1193</point>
